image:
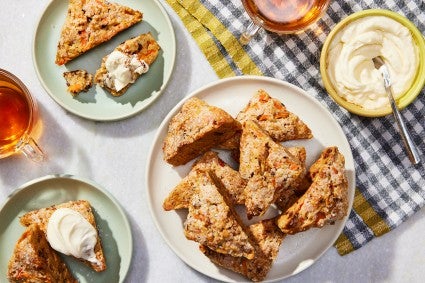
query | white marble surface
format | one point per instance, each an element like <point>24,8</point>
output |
<point>81,147</point>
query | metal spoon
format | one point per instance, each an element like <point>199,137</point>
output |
<point>408,142</point>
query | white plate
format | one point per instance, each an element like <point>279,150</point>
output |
<point>297,251</point>
<point>98,104</point>
<point>114,228</point>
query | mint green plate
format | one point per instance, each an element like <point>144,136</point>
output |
<point>97,104</point>
<point>114,228</point>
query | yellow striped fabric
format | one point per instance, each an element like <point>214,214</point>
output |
<point>201,23</point>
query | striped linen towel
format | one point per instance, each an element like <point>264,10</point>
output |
<point>389,189</point>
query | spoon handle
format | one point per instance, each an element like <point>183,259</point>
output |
<point>412,151</point>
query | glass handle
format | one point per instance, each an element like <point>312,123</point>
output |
<point>249,32</point>
<point>30,149</point>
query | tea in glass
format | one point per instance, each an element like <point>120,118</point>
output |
<point>284,17</point>
<point>18,116</point>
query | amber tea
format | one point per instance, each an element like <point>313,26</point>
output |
<point>14,117</point>
<point>285,17</point>
<point>18,116</point>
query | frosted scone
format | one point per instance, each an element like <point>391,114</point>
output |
<point>128,61</point>
<point>325,201</point>
<point>89,23</point>
<point>55,221</point>
<point>33,260</point>
<point>195,129</point>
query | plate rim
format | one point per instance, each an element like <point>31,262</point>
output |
<point>98,188</point>
<point>202,89</point>
<point>167,76</point>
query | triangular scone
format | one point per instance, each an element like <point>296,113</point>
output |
<point>89,23</point>
<point>281,124</point>
<point>212,221</point>
<point>210,161</point>
<point>325,201</point>
<point>271,170</point>
<point>128,61</point>
<point>267,237</point>
<point>195,129</point>
<point>41,217</point>
<point>33,260</point>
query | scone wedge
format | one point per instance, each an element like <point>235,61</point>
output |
<point>212,221</point>
<point>132,59</point>
<point>232,181</point>
<point>89,23</point>
<point>270,168</point>
<point>195,129</point>
<point>33,260</point>
<point>267,238</point>
<point>325,201</point>
<point>273,117</point>
<point>41,217</point>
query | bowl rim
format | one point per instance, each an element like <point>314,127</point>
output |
<point>409,96</point>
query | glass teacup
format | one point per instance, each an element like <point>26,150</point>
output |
<point>18,119</point>
<point>282,17</point>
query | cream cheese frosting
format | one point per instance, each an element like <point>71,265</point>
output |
<point>350,67</point>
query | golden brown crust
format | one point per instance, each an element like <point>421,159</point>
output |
<point>273,117</point>
<point>267,238</point>
<point>41,217</point>
<point>78,81</point>
<point>271,170</point>
<point>325,201</point>
<point>33,260</point>
<point>212,221</point>
<point>195,129</point>
<point>89,23</point>
<point>210,161</point>
<point>144,46</point>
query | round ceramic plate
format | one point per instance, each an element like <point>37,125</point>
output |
<point>298,251</point>
<point>98,104</point>
<point>114,228</point>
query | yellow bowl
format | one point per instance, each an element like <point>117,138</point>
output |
<point>405,99</point>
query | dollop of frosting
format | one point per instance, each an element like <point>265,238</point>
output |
<point>123,69</point>
<point>70,233</point>
<point>350,67</point>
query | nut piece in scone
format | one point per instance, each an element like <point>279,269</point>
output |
<point>281,124</point>
<point>267,238</point>
<point>42,215</point>
<point>212,221</point>
<point>126,63</point>
<point>89,23</point>
<point>325,201</point>
<point>232,181</point>
<point>33,260</point>
<point>195,129</point>
<point>271,170</point>
<point>78,81</point>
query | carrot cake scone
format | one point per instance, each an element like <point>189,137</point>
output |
<point>77,213</point>
<point>325,201</point>
<point>195,129</point>
<point>33,260</point>
<point>89,23</point>
<point>128,61</point>
<point>78,81</point>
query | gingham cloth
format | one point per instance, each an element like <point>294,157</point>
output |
<point>389,188</point>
